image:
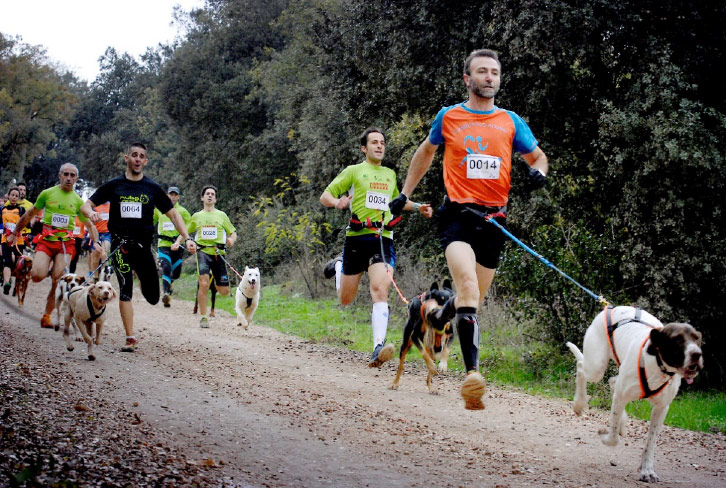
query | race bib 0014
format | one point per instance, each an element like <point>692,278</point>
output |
<point>482,167</point>
<point>131,210</point>
<point>167,226</point>
<point>376,201</point>
<point>209,233</point>
<point>60,220</point>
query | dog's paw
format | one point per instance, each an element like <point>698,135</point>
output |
<point>433,391</point>
<point>606,438</point>
<point>91,357</point>
<point>393,386</point>
<point>70,348</point>
<point>443,367</point>
<point>648,475</point>
<point>578,408</point>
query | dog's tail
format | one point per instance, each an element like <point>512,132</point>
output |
<point>578,355</point>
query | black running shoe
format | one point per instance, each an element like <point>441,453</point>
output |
<point>329,268</point>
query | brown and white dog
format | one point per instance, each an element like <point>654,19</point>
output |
<point>652,360</point>
<point>432,339</point>
<point>66,283</point>
<point>21,272</point>
<point>86,306</point>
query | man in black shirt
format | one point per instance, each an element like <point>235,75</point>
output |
<point>133,198</point>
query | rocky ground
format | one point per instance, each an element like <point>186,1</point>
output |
<point>229,407</point>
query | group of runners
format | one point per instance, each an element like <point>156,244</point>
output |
<point>479,140</point>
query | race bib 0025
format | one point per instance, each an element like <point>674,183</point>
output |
<point>376,201</point>
<point>482,167</point>
<point>60,220</point>
<point>131,210</point>
<point>209,233</point>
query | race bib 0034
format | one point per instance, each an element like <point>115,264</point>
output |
<point>167,226</point>
<point>131,210</point>
<point>482,167</point>
<point>376,201</point>
<point>60,220</point>
<point>209,233</point>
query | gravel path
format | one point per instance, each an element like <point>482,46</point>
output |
<point>228,407</point>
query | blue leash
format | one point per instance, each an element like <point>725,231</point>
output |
<point>489,218</point>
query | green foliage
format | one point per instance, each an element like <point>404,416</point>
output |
<point>291,233</point>
<point>35,102</point>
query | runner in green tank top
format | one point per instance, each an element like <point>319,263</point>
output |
<point>56,247</point>
<point>370,187</point>
<point>214,232</point>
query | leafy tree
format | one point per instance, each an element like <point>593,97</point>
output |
<point>34,101</point>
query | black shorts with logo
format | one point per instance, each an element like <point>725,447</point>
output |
<point>212,265</point>
<point>130,257</point>
<point>455,223</point>
<point>360,252</point>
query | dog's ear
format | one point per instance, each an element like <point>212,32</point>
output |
<point>447,284</point>
<point>434,286</point>
<point>656,341</point>
<point>247,268</point>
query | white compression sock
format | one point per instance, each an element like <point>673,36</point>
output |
<point>338,272</point>
<point>379,322</point>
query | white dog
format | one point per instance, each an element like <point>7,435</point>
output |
<point>248,296</point>
<point>87,306</point>
<point>652,359</point>
<point>66,283</point>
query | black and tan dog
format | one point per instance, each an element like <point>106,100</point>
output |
<point>433,340</point>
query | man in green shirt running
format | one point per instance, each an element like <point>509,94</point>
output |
<point>55,246</point>
<point>370,188</point>
<point>214,234</point>
<point>169,251</point>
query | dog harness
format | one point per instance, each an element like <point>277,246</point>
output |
<point>89,304</point>
<point>610,327</point>
<point>645,391</point>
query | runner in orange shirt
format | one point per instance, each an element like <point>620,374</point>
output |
<point>479,139</point>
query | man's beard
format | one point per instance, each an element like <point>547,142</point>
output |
<point>484,91</point>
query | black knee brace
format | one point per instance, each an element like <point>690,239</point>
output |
<point>467,327</point>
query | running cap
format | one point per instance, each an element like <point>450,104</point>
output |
<point>174,189</point>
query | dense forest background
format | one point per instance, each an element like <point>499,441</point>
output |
<point>266,100</point>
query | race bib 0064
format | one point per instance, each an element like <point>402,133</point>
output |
<point>376,201</point>
<point>131,210</point>
<point>60,220</point>
<point>482,167</point>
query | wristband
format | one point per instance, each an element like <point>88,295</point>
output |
<point>415,207</point>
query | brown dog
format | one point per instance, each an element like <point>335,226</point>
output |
<point>434,343</point>
<point>86,306</point>
<point>22,277</point>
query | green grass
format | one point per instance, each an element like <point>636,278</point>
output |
<point>507,359</point>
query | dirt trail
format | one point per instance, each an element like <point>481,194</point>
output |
<point>258,408</point>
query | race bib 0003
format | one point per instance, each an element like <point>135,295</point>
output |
<point>482,167</point>
<point>60,220</point>
<point>209,233</point>
<point>376,201</point>
<point>131,210</point>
